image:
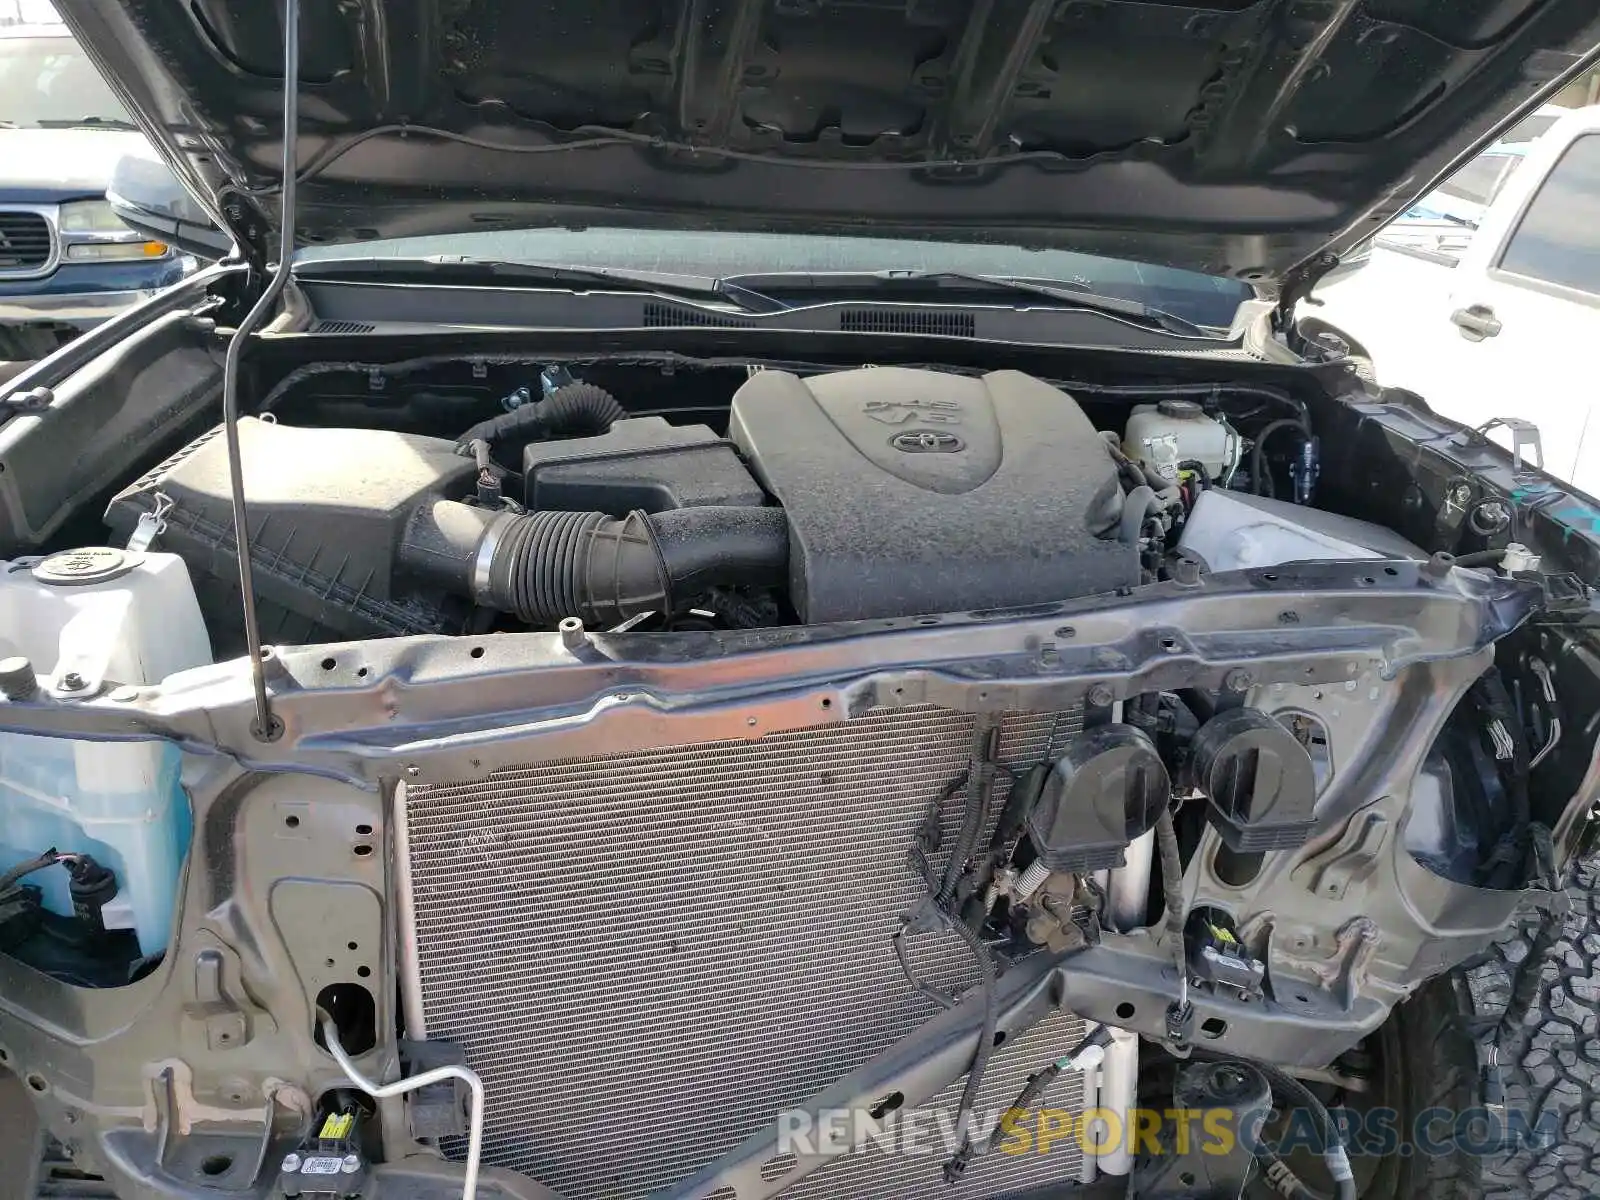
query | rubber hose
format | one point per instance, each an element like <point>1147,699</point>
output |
<point>580,410</point>
<point>1138,504</point>
<point>577,410</point>
<point>1258,459</point>
<point>540,568</point>
<point>544,566</point>
<point>1199,468</point>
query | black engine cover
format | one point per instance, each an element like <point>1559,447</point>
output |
<point>913,491</point>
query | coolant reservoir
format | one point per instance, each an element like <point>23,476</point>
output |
<point>1162,435</point>
<point>88,620</point>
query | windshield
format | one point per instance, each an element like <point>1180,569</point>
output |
<point>49,82</point>
<point>1201,299</point>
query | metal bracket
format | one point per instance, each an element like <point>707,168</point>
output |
<point>1349,860</point>
<point>1524,435</point>
<point>183,1151</point>
<point>248,226</point>
<point>217,1005</point>
<point>1299,963</point>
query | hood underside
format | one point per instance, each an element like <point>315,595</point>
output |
<point>1233,138</point>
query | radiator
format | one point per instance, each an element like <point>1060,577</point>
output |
<point>646,956</point>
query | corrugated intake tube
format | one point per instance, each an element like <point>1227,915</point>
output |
<point>544,566</point>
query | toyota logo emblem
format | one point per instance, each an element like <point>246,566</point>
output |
<point>927,441</point>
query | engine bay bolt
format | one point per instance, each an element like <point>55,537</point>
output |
<point>1185,571</point>
<point>573,636</point>
<point>1227,1078</point>
<point>72,682</point>
<point>1238,680</point>
<point>1100,696</point>
<point>17,680</point>
<point>1461,494</point>
<point>290,1164</point>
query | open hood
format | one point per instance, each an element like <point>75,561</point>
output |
<point>1234,138</point>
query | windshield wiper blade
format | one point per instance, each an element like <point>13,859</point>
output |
<point>464,268</point>
<point>1063,292</point>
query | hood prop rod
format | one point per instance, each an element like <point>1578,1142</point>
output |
<point>265,727</point>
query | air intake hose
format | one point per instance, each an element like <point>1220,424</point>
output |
<point>576,410</point>
<point>547,565</point>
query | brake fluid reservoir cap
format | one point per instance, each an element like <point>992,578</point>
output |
<point>92,564</point>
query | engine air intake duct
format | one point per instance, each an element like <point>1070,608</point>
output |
<point>544,566</point>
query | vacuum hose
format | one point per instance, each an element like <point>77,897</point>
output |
<point>544,566</point>
<point>576,410</point>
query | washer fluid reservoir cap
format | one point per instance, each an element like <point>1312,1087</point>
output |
<point>1180,410</point>
<point>92,564</point>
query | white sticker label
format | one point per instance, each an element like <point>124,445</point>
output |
<point>320,1166</point>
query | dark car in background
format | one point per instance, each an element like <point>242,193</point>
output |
<point>66,261</point>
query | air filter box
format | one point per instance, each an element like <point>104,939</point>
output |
<point>326,507</point>
<point>640,463</point>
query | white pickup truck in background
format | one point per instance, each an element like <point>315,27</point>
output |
<point>1500,320</point>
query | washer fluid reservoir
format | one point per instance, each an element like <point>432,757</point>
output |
<point>89,620</point>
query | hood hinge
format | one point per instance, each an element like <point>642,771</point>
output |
<point>1296,286</point>
<point>248,225</point>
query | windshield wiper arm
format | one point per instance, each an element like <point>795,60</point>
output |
<point>463,268</point>
<point>1070,294</point>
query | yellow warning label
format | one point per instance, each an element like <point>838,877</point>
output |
<point>337,1126</point>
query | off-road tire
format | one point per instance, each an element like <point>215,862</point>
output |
<point>1551,1065</point>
